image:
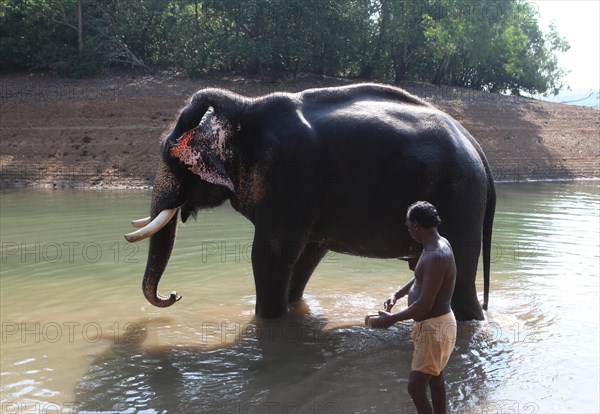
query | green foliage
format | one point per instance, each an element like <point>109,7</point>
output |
<point>495,46</point>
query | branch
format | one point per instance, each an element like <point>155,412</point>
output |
<point>64,23</point>
<point>579,100</point>
<point>64,19</point>
<point>109,33</point>
<point>247,31</point>
<point>128,53</point>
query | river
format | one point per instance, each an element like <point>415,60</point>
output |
<point>77,334</point>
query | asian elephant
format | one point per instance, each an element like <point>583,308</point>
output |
<point>331,169</point>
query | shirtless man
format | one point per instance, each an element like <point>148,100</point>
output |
<point>429,294</point>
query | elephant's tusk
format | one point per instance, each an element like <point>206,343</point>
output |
<point>153,227</point>
<point>138,224</point>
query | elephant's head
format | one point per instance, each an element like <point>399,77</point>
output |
<point>192,175</point>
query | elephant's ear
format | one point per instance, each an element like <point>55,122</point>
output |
<point>204,150</point>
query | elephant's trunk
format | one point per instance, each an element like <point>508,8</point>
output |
<point>161,226</point>
<point>161,246</point>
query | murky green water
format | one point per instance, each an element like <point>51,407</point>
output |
<point>77,333</point>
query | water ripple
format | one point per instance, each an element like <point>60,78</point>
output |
<point>207,354</point>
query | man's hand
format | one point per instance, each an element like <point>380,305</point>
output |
<point>384,321</point>
<point>390,302</point>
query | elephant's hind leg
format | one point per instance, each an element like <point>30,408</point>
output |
<point>465,302</point>
<point>303,269</point>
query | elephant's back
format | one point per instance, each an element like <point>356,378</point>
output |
<point>383,156</point>
<point>394,136</point>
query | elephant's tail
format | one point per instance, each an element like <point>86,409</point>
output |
<point>488,222</point>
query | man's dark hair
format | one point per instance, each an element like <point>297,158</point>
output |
<point>423,213</point>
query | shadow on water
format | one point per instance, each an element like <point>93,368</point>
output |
<point>293,364</point>
<point>259,371</point>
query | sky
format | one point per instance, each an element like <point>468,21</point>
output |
<point>579,22</point>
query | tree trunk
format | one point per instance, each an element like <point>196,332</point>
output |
<point>401,64</point>
<point>368,71</point>
<point>441,70</point>
<point>80,26</point>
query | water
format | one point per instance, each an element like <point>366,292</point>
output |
<point>77,334</point>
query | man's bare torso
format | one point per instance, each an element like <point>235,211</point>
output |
<point>440,256</point>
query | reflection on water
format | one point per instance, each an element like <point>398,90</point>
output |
<point>77,333</point>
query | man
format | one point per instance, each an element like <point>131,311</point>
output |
<point>429,294</point>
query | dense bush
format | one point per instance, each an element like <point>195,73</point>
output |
<point>485,45</point>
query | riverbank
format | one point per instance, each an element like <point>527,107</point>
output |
<point>104,132</point>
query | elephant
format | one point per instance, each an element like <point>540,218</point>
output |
<point>318,171</point>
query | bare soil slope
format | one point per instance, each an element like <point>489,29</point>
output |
<point>104,132</point>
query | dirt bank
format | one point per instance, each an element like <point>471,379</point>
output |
<point>104,132</point>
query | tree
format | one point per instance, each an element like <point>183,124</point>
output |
<point>495,46</point>
<point>497,49</point>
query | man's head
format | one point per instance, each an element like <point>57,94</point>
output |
<point>421,216</point>
<point>424,214</point>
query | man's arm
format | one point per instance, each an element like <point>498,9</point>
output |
<point>433,276</point>
<point>403,291</point>
<point>400,293</point>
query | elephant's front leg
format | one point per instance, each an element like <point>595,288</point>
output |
<point>272,263</point>
<point>303,269</point>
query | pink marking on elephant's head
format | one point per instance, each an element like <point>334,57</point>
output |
<point>184,149</point>
<point>203,149</point>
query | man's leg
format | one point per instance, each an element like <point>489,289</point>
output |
<point>418,383</point>
<point>437,386</point>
